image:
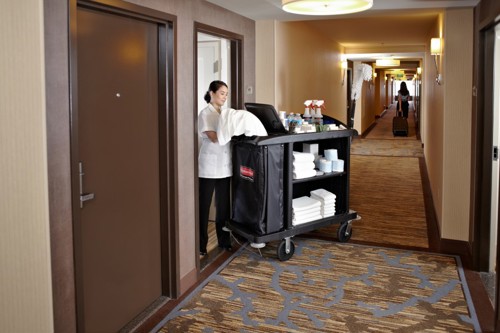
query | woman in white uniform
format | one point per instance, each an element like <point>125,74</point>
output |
<point>214,168</point>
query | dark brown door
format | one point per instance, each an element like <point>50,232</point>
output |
<point>119,262</point>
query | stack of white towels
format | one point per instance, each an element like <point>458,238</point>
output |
<point>305,209</point>
<point>327,201</point>
<point>303,165</point>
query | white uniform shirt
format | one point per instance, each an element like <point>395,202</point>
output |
<point>214,160</point>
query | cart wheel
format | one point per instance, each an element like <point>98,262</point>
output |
<point>282,255</point>
<point>344,233</point>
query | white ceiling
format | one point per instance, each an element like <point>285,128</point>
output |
<point>398,28</point>
<point>271,9</point>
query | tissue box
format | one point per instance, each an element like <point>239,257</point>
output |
<point>312,148</point>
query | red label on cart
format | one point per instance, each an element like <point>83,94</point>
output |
<point>246,173</point>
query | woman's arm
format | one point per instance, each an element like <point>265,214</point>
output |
<point>212,135</point>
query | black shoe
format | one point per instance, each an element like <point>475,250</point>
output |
<point>226,247</point>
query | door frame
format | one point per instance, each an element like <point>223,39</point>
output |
<point>236,83</point>
<point>169,224</point>
<point>236,95</point>
<point>481,151</point>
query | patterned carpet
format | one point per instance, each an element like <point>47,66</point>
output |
<point>386,147</point>
<point>387,193</point>
<point>386,187</point>
<point>329,287</point>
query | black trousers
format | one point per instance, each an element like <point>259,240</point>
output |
<point>405,106</point>
<point>222,209</point>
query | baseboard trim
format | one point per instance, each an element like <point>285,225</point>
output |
<point>457,247</point>
<point>436,242</point>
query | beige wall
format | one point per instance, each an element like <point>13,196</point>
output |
<point>457,71</point>
<point>432,129</point>
<point>25,277</point>
<point>265,62</point>
<point>306,66</point>
<point>447,123</point>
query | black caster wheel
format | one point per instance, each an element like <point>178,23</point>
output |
<point>345,232</point>
<point>282,253</point>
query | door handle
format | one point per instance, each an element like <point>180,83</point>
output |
<point>83,196</point>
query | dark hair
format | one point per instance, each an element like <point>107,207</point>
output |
<point>404,91</point>
<point>214,86</point>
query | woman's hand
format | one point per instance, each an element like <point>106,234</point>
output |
<point>212,135</point>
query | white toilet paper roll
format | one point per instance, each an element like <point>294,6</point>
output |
<point>338,165</point>
<point>325,165</point>
<point>331,154</point>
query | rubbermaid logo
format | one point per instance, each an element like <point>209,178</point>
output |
<point>246,173</point>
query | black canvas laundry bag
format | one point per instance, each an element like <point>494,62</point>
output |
<point>257,187</point>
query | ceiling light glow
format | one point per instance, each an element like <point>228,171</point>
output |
<point>387,62</point>
<point>325,7</point>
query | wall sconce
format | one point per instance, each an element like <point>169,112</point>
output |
<point>419,70</point>
<point>374,75</point>
<point>344,69</point>
<point>436,50</point>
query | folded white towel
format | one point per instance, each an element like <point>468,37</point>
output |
<point>323,194</point>
<point>325,203</point>
<point>299,166</point>
<point>323,199</point>
<point>301,221</point>
<point>304,212</point>
<point>305,157</point>
<point>327,211</point>
<point>304,203</point>
<point>300,174</point>
<point>306,216</point>
<point>328,215</point>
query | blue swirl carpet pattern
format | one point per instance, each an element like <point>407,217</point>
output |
<point>329,287</point>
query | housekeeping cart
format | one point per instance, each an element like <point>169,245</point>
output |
<point>263,187</point>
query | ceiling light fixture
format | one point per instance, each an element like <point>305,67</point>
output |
<point>387,62</point>
<point>325,7</point>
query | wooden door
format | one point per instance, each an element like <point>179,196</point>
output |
<point>119,256</point>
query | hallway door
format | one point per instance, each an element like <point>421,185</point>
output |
<point>495,180</point>
<point>118,237</point>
